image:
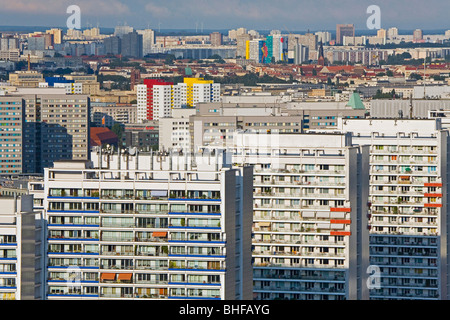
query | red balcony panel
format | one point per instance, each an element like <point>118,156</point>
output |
<point>340,233</point>
<point>434,184</point>
<point>433,205</point>
<point>340,221</point>
<point>340,209</point>
<point>437,195</point>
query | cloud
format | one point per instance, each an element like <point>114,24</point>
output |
<point>157,10</point>
<point>58,7</point>
<point>252,14</point>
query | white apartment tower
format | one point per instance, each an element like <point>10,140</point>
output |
<point>20,249</point>
<point>162,98</point>
<point>408,205</point>
<point>148,41</point>
<point>310,240</point>
<point>141,102</point>
<point>154,226</point>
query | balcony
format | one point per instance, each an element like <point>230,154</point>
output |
<point>73,238</point>
<point>150,267</point>
<point>116,295</point>
<point>306,289</point>
<point>138,211</point>
<point>298,265</point>
<point>302,277</point>
<point>403,152</point>
<point>115,267</point>
<point>118,253</point>
<point>117,211</point>
<point>151,296</point>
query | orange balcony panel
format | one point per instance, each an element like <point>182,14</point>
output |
<point>340,233</point>
<point>340,221</point>
<point>433,205</point>
<point>438,195</point>
<point>125,276</point>
<point>340,209</point>
<point>160,234</point>
<point>433,184</point>
<point>107,276</point>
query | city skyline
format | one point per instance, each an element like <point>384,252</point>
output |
<point>286,15</point>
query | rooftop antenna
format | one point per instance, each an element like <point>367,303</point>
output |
<point>424,73</point>
<point>410,106</point>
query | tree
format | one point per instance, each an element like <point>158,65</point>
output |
<point>117,128</point>
<point>381,95</point>
<point>170,59</point>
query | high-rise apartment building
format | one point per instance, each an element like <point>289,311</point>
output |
<point>200,90</point>
<point>57,128</point>
<point>344,30</point>
<point>323,36</point>
<point>37,42</point>
<point>174,131</point>
<point>9,43</point>
<point>39,129</point>
<point>258,51</point>
<point>148,41</point>
<point>57,35</point>
<point>301,54</point>
<point>392,33</point>
<point>119,31</point>
<point>113,45</point>
<point>310,236</point>
<point>216,38</point>
<point>417,35</point>
<point>408,224</point>
<point>12,116</point>
<point>241,44</point>
<point>21,249</point>
<point>447,34</point>
<point>145,98</point>
<point>132,45</point>
<point>382,34</point>
<point>149,227</point>
<point>43,128</point>
<point>277,47</point>
<point>156,98</point>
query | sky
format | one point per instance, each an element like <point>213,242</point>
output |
<point>283,15</point>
